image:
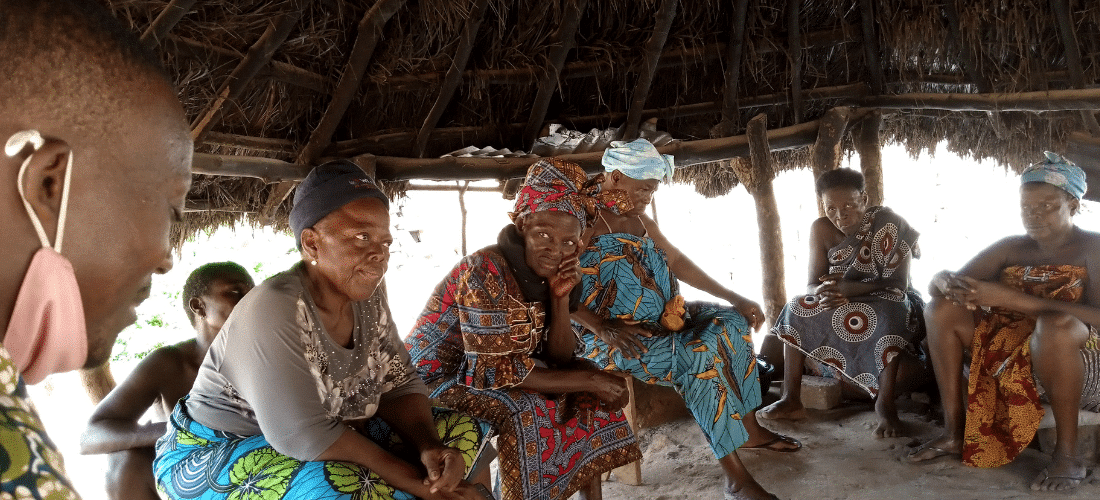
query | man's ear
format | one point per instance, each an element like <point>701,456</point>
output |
<point>44,181</point>
<point>309,243</point>
<point>197,306</point>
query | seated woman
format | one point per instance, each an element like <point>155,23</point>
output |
<point>861,317</point>
<point>308,391</point>
<point>636,321</point>
<point>1025,310</point>
<point>495,342</point>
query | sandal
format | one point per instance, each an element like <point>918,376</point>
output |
<point>772,445</point>
<point>738,496</point>
<point>937,452</point>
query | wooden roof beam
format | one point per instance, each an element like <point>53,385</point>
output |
<point>794,46</point>
<point>871,47</point>
<point>165,21</point>
<point>1047,100</point>
<point>281,71</point>
<point>731,117</point>
<point>666,13</point>
<point>967,59</point>
<point>454,76</point>
<point>366,40</point>
<point>258,56</point>
<point>562,41</point>
<point>1073,57</point>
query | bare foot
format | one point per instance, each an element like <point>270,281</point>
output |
<point>889,424</point>
<point>748,492</point>
<point>1064,473</point>
<point>942,446</point>
<point>784,409</point>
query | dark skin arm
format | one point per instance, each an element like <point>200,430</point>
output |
<point>410,417</point>
<point>833,290</point>
<point>113,425</point>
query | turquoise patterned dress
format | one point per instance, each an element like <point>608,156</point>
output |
<point>707,356</point>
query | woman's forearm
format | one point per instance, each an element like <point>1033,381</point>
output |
<point>557,381</point>
<point>109,436</point>
<point>561,342</point>
<point>353,447</point>
<point>410,416</point>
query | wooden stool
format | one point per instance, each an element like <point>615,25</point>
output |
<point>630,473</point>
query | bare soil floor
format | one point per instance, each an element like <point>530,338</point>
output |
<point>840,459</point>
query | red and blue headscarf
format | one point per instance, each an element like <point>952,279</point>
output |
<point>554,185</point>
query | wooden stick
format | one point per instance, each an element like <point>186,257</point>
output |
<point>249,142</point>
<point>1073,57</point>
<point>453,78</point>
<point>1047,100</point>
<point>165,21</point>
<point>258,56</point>
<point>970,63</point>
<point>869,145</point>
<point>767,217</point>
<point>871,48</point>
<point>562,41</point>
<point>97,382</point>
<point>794,48</point>
<point>731,118</point>
<point>267,169</point>
<point>830,140</point>
<point>213,56</point>
<point>654,46</point>
<point>370,30</point>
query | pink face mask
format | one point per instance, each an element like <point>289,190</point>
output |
<point>46,333</point>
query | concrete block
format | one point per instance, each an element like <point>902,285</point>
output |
<point>820,393</point>
<point>1088,433</point>
<point>657,404</point>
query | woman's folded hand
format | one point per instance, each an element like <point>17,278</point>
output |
<point>622,335</point>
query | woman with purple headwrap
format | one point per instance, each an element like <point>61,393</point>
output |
<point>495,342</point>
<point>1024,312</point>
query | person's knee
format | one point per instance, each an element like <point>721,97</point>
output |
<point>943,317</point>
<point>1058,329</point>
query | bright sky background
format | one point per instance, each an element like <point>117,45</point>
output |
<point>959,207</point>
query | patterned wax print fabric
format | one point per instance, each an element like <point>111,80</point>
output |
<point>30,466</point>
<point>858,339</point>
<point>1003,406</point>
<point>555,185</point>
<point>197,462</point>
<point>475,341</point>
<point>705,352</point>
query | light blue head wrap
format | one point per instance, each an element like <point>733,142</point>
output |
<point>1059,172</point>
<point>638,160</point>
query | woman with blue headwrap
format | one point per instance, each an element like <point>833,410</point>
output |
<point>1025,310</point>
<point>636,320</point>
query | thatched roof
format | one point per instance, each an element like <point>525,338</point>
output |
<point>279,79</point>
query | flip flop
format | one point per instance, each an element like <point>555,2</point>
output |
<point>937,452</point>
<point>738,496</point>
<point>1046,475</point>
<point>771,445</point>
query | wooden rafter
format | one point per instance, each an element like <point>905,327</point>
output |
<point>454,76</point>
<point>666,13</point>
<point>562,41</point>
<point>216,56</point>
<point>1047,100</point>
<point>794,45</point>
<point>1073,57</point>
<point>258,56</point>
<point>871,48</point>
<point>672,58</point>
<point>165,21</point>
<point>366,39</point>
<point>730,112</point>
<point>969,62</point>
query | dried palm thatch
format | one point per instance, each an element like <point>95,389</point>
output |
<point>792,65</point>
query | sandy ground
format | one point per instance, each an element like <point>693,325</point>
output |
<point>840,459</point>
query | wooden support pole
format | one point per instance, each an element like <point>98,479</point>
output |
<point>731,118</point>
<point>97,382</point>
<point>666,13</point>
<point>970,63</point>
<point>258,56</point>
<point>462,187</point>
<point>1073,57</point>
<point>871,48</point>
<point>828,149</point>
<point>760,187</point>
<point>794,46</point>
<point>563,40</point>
<point>453,78</point>
<point>165,21</point>
<point>1047,100</point>
<point>869,146</point>
<point>268,170</point>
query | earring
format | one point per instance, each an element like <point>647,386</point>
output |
<point>313,262</point>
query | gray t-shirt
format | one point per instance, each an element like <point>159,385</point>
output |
<point>273,370</point>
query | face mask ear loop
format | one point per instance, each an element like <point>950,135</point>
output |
<point>60,234</point>
<point>16,143</point>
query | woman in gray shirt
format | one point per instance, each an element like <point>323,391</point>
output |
<point>308,392</point>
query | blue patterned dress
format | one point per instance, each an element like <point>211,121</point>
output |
<point>708,357</point>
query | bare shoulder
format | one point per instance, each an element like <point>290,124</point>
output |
<point>168,360</point>
<point>1091,238</point>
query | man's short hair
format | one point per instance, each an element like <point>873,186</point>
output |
<point>198,283</point>
<point>841,177</point>
<point>70,62</point>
